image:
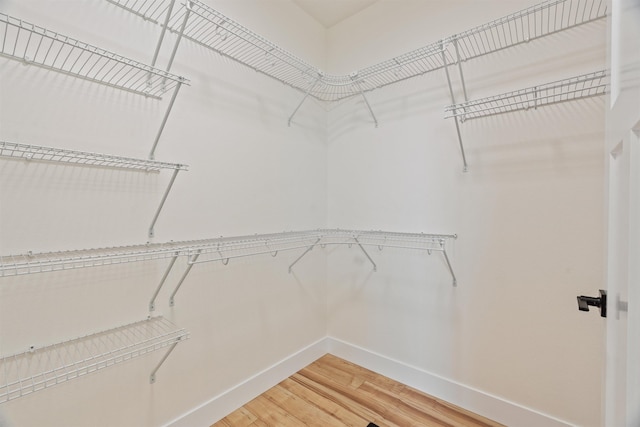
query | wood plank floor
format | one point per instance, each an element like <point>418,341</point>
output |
<point>334,392</point>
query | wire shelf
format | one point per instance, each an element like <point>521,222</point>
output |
<point>153,11</point>
<point>49,154</point>
<point>546,18</point>
<point>570,89</point>
<point>30,263</point>
<point>221,248</point>
<point>41,368</point>
<point>217,32</point>
<point>31,44</point>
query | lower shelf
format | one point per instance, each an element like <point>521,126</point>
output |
<point>34,370</point>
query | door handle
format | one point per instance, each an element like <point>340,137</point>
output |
<point>600,302</point>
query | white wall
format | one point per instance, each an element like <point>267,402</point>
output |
<point>529,213</point>
<point>249,173</point>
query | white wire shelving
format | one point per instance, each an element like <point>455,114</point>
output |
<point>223,249</point>
<point>41,368</point>
<point>202,24</point>
<point>570,89</point>
<point>31,44</point>
<point>544,19</point>
<point>82,158</point>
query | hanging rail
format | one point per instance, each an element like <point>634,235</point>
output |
<point>59,155</point>
<point>570,89</point>
<point>41,368</point>
<point>30,44</point>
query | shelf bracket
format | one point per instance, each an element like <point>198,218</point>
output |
<point>190,265</point>
<point>164,199</point>
<point>311,87</point>
<point>356,83</point>
<point>152,377</point>
<point>187,6</point>
<point>152,154</point>
<point>304,253</point>
<point>446,258</point>
<point>459,62</point>
<point>375,267</point>
<point>162,33</point>
<point>152,303</point>
<point>453,102</point>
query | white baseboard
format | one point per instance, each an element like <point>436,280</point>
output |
<point>482,403</point>
<point>222,405</point>
<point>477,401</point>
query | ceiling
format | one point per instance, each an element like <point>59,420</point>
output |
<point>330,12</point>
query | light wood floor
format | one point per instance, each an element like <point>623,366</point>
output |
<point>334,392</point>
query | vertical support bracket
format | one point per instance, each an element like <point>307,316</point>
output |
<point>453,102</point>
<point>446,258</point>
<point>164,199</point>
<point>304,253</point>
<point>152,303</point>
<point>190,265</point>
<point>356,83</point>
<point>311,87</point>
<point>188,6</point>
<point>162,33</point>
<point>459,62</point>
<point>152,377</point>
<point>375,267</point>
<point>152,154</point>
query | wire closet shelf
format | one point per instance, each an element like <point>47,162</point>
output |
<point>570,89</point>
<point>31,44</point>
<point>41,368</point>
<point>60,155</point>
<point>543,19</point>
<point>202,24</point>
<point>216,249</point>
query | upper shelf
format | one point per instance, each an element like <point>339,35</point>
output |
<point>50,154</point>
<point>583,86</point>
<point>41,368</point>
<point>202,24</point>
<point>541,20</point>
<point>31,44</point>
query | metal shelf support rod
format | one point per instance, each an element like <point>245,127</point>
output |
<point>304,253</point>
<point>162,33</point>
<point>180,34</point>
<point>164,199</point>
<point>453,100</point>
<point>164,119</point>
<point>152,377</point>
<point>366,101</point>
<point>446,258</point>
<point>375,267</point>
<point>464,86</point>
<point>152,303</point>
<point>303,99</point>
<point>190,265</point>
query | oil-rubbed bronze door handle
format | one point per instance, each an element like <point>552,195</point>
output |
<point>600,302</point>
